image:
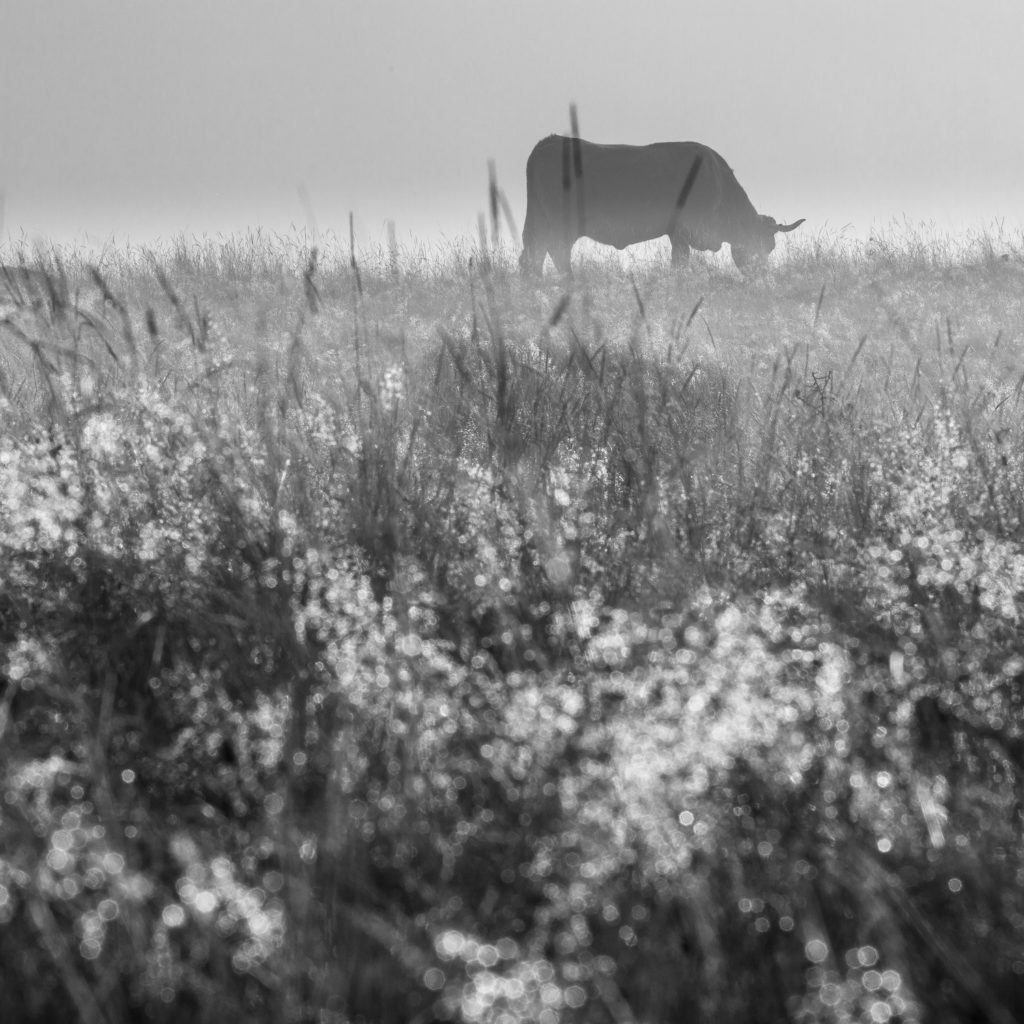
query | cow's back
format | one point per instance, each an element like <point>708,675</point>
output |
<point>619,185</point>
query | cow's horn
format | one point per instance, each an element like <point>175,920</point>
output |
<point>790,227</point>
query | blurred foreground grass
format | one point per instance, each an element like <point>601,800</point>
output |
<point>390,640</point>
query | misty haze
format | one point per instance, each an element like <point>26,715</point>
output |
<point>511,515</point>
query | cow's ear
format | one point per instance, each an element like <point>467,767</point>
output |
<point>790,227</point>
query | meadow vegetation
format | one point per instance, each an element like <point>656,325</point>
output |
<point>384,638</point>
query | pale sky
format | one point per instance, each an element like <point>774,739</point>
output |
<point>133,120</point>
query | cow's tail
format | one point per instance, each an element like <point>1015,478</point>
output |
<point>534,249</point>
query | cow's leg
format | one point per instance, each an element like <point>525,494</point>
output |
<point>680,252</point>
<point>560,253</point>
<point>531,262</point>
<point>535,245</point>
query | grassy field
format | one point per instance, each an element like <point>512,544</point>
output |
<point>386,639</point>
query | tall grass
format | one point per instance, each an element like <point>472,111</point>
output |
<point>385,638</point>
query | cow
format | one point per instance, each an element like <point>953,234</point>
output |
<point>620,195</point>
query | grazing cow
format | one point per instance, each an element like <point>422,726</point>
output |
<point>620,195</point>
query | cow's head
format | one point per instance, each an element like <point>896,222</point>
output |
<point>761,241</point>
